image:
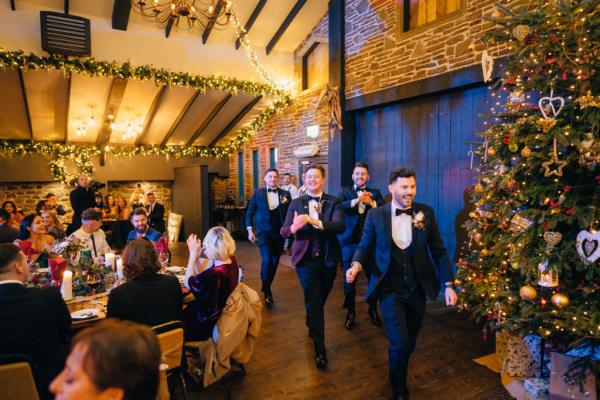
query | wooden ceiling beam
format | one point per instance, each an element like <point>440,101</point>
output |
<point>26,103</point>
<point>286,23</point>
<point>235,120</point>
<point>68,101</point>
<point>175,124</point>
<point>120,14</point>
<point>151,113</point>
<point>113,103</point>
<point>211,22</point>
<point>251,20</point>
<point>216,109</point>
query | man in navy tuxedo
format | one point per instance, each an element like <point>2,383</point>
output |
<point>402,235</point>
<point>156,213</point>
<point>356,202</point>
<point>268,208</point>
<point>315,219</point>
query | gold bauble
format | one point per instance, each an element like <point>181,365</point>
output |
<point>491,152</point>
<point>560,300</point>
<point>478,188</point>
<point>485,252</point>
<point>526,152</point>
<point>528,293</point>
<point>515,265</point>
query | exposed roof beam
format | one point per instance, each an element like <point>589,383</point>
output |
<point>216,109</point>
<point>169,26</point>
<point>286,23</point>
<point>12,5</point>
<point>184,111</point>
<point>235,121</point>
<point>68,101</point>
<point>251,20</point>
<point>115,96</point>
<point>211,21</point>
<point>67,7</point>
<point>24,94</point>
<point>120,15</point>
<point>151,113</point>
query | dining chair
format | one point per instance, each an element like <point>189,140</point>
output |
<point>16,378</point>
<point>170,339</point>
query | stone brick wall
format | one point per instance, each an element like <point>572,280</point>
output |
<point>379,55</point>
<point>161,189</point>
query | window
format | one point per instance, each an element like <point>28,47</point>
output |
<point>315,66</point>
<point>417,13</point>
<point>255,172</point>
<point>241,177</point>
<point>273,157</point>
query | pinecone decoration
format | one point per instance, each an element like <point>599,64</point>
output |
<point>531,38</point>
<point>512,187</point>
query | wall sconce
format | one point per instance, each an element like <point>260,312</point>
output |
<point>312,131</point>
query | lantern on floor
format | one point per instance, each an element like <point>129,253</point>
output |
<point>547,276</point>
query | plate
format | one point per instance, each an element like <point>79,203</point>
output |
<point>85,313</point>
<point>176,270</point>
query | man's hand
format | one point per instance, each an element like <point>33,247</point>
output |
<point>299,221</point>
<point>352,272</point>
<point>365,197</point>
<point>450,296</point>
<point>251,236</point>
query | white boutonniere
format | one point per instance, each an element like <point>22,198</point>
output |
<point>283,199</point>
<point>419,220</point>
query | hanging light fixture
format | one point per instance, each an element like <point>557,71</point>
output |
<point>184,14</point>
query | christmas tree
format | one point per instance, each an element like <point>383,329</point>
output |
<point>532,266</point>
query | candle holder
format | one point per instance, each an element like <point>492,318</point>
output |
<point>547,275</point>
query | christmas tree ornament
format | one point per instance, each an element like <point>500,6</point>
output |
<point>560,300</point>
<point>520,32</point>
<point>548,170</point>
<point>546,124</point>
<point>526,152</point>
<point>513,147</point>
<point>547,276</point>
<point>552,238</point>
<point>487,65</point>
<point>531,38</point>
<point>478,188</point>
<point>519,223</point>
<point>588,245</point>
<point>588,100</point>
<point>497,14</point>
<point>485,252</point>
<point>517,96</point>
<point>551,106</point>
<point>491,152</point>
<point>515,265</point>
<point>511,187</point>
<point>528,293</point>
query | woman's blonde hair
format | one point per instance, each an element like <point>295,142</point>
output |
<point>218,244</point>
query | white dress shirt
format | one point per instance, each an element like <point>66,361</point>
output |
<point>401,227</point>
<point>313,212</point>
<point>101,246</point>
<point>272,199</point>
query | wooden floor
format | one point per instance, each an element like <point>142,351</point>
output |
<point>282,367</point>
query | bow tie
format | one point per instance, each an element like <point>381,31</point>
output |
<point>408,211</point>
<point>272,190</point>
<point>317,199</point>
<point>359,189</point>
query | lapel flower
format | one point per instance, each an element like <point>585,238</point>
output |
<point>419,220</point>
<point>283,199</point>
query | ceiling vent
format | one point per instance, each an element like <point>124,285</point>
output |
<point>65,34</point>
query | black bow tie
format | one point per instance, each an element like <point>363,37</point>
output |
<point>358,189</point>
<point>317,199</point>
<point>272,190</point>
<point>408,211</point>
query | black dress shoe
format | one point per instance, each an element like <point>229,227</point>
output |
<point>321,359</point>
<point>375,320</point>
<point>350,320</point>
<point>269,299</point>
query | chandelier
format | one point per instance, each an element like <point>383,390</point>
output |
<point>184,14</point>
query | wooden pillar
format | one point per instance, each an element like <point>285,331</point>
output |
<point>342,151</point>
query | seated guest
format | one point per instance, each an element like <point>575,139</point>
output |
<point>90,235</point>
<point>116,360</point>
<point>156,213</point>
<point>40,206</point>
<point>16,217</point>
<point>123,212</point>
<point>34,321</point>
<point>52,204</point>
<point>141,229</point>
<point>33,239</point>
<point>110,207</point>
<point>211,283</point>
<point>53,226</point>
<point>8,234</point>
<point>147,297</point>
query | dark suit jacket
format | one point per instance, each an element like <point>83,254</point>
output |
<point>152,234</point>
<point>35,322</point>
<point>351,215</point>
<point>258,210</point>
<point>8,234</point>
<point>151,300</point>
<point>156,219</point>
<point>427,248</point>
<point>81,200</point>
<point>333,224</point>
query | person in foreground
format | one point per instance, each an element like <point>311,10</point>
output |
<point>114,360</point>
<point>211,281</point>
<point>34,321</point>
<point>401,235</point>
<point>147,297</point>
<point>315,219</point>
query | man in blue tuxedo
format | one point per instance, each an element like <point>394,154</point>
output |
<point>268,208</point>
<point>356,202</point>
<point>315,219</point>
<point>402,235</point>
<point>141,229</point>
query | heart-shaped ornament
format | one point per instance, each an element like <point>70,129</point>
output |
<point>552,238</point>
<point>588,245</point>
<point>552,105</point>
<point>520,32</point>
<point>487,65</point>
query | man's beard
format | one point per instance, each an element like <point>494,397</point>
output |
<point>142,228</point>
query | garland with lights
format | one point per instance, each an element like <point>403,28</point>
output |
<point>81,154</point>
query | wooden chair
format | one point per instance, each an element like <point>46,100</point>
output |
<point>170,339</point>
<point>16,378</point>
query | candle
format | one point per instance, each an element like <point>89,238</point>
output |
<point>109,260</point>
<point>66,288</point>
<point>119,269</point>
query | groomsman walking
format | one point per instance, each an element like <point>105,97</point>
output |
<point>267,209</point>
<point>356,202</point>
<point>402,235</point>
<point>315,219</point>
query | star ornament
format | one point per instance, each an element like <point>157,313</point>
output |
<point>553,161</point>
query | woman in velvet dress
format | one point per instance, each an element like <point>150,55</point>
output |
<point>211,281</point>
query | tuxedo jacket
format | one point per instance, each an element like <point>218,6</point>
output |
<point>332,217</point>
<point>258,211</point>
<point>156,218</point>
<point>35,322</point>
<point>351,215</point>
<point>426,249</point>
<point>81,199</point>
